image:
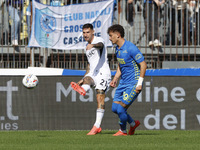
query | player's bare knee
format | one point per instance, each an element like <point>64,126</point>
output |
<point>101,98</point>
<point>101,92</point>
<point>88,80</point>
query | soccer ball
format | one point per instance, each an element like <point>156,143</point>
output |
<point>30,81</point>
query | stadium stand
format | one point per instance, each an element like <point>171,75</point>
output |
<point>183,48</point>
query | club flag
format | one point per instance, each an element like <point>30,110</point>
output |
<point>60,27</point>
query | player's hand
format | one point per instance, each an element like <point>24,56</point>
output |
<point>80,82</point>
<point>113,83</point>
<point>138,88</point>
<point>89,46</point>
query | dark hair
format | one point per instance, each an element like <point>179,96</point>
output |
<point>88,25</point>
<point>116,28</point>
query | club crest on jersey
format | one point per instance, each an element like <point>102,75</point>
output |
<point>125,51</point>
<point>90,54</point>
<point>138,56</point>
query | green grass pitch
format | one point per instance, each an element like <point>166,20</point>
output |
<point>78,140</point>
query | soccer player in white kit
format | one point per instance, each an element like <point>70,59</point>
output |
<point>97,74</point>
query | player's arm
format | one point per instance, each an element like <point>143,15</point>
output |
<point>113,83</point>
<point>143,67</point>
<point>99,46</point>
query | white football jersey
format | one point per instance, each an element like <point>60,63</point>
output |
<point>98,59</point>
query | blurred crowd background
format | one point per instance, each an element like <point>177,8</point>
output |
<point>166,31</point>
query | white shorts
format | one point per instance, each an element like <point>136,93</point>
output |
<point>101,80</point>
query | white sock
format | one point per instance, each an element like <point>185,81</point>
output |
<point>132,124</point>
<point>124,131</point>
<point>99,117</point>
<point>86,87</point>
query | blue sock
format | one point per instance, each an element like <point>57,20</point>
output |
<point>114,107</point>
<point>130,119</point>
<point>121,111</point>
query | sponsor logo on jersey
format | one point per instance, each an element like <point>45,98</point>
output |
<point>121,61</point>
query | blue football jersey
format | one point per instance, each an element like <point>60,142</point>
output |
<point>129,57</point>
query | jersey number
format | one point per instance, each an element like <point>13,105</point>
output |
<point>103,82</point>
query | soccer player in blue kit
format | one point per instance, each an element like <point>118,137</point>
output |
<point>131,69</point>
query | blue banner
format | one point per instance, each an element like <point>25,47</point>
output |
<point>60,27</point>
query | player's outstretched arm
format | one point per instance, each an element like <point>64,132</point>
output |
<point>113,83</point>
<point>143,67</point>
<point>99,46</point>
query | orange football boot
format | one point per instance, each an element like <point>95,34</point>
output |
<point>78,88</point>
<point>120,133</point>
<point>94,131</point>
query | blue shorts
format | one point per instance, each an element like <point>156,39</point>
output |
<point>126,93</point>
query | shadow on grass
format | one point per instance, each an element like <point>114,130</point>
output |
<point>146,134</point>
<point>136,134</point>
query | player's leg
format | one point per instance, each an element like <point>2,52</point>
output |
<point>101,85</point>
<point>87,83</point>
<point>124,117</point>
<point>130,120</point>
<point>122,114</point>
<point>129,95</point>
<point>133,123</point>
<point>118,109</point>
<point>100,107</point>
<point>121,111</point>
<point>99,112</point>
<point>114,107</point>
